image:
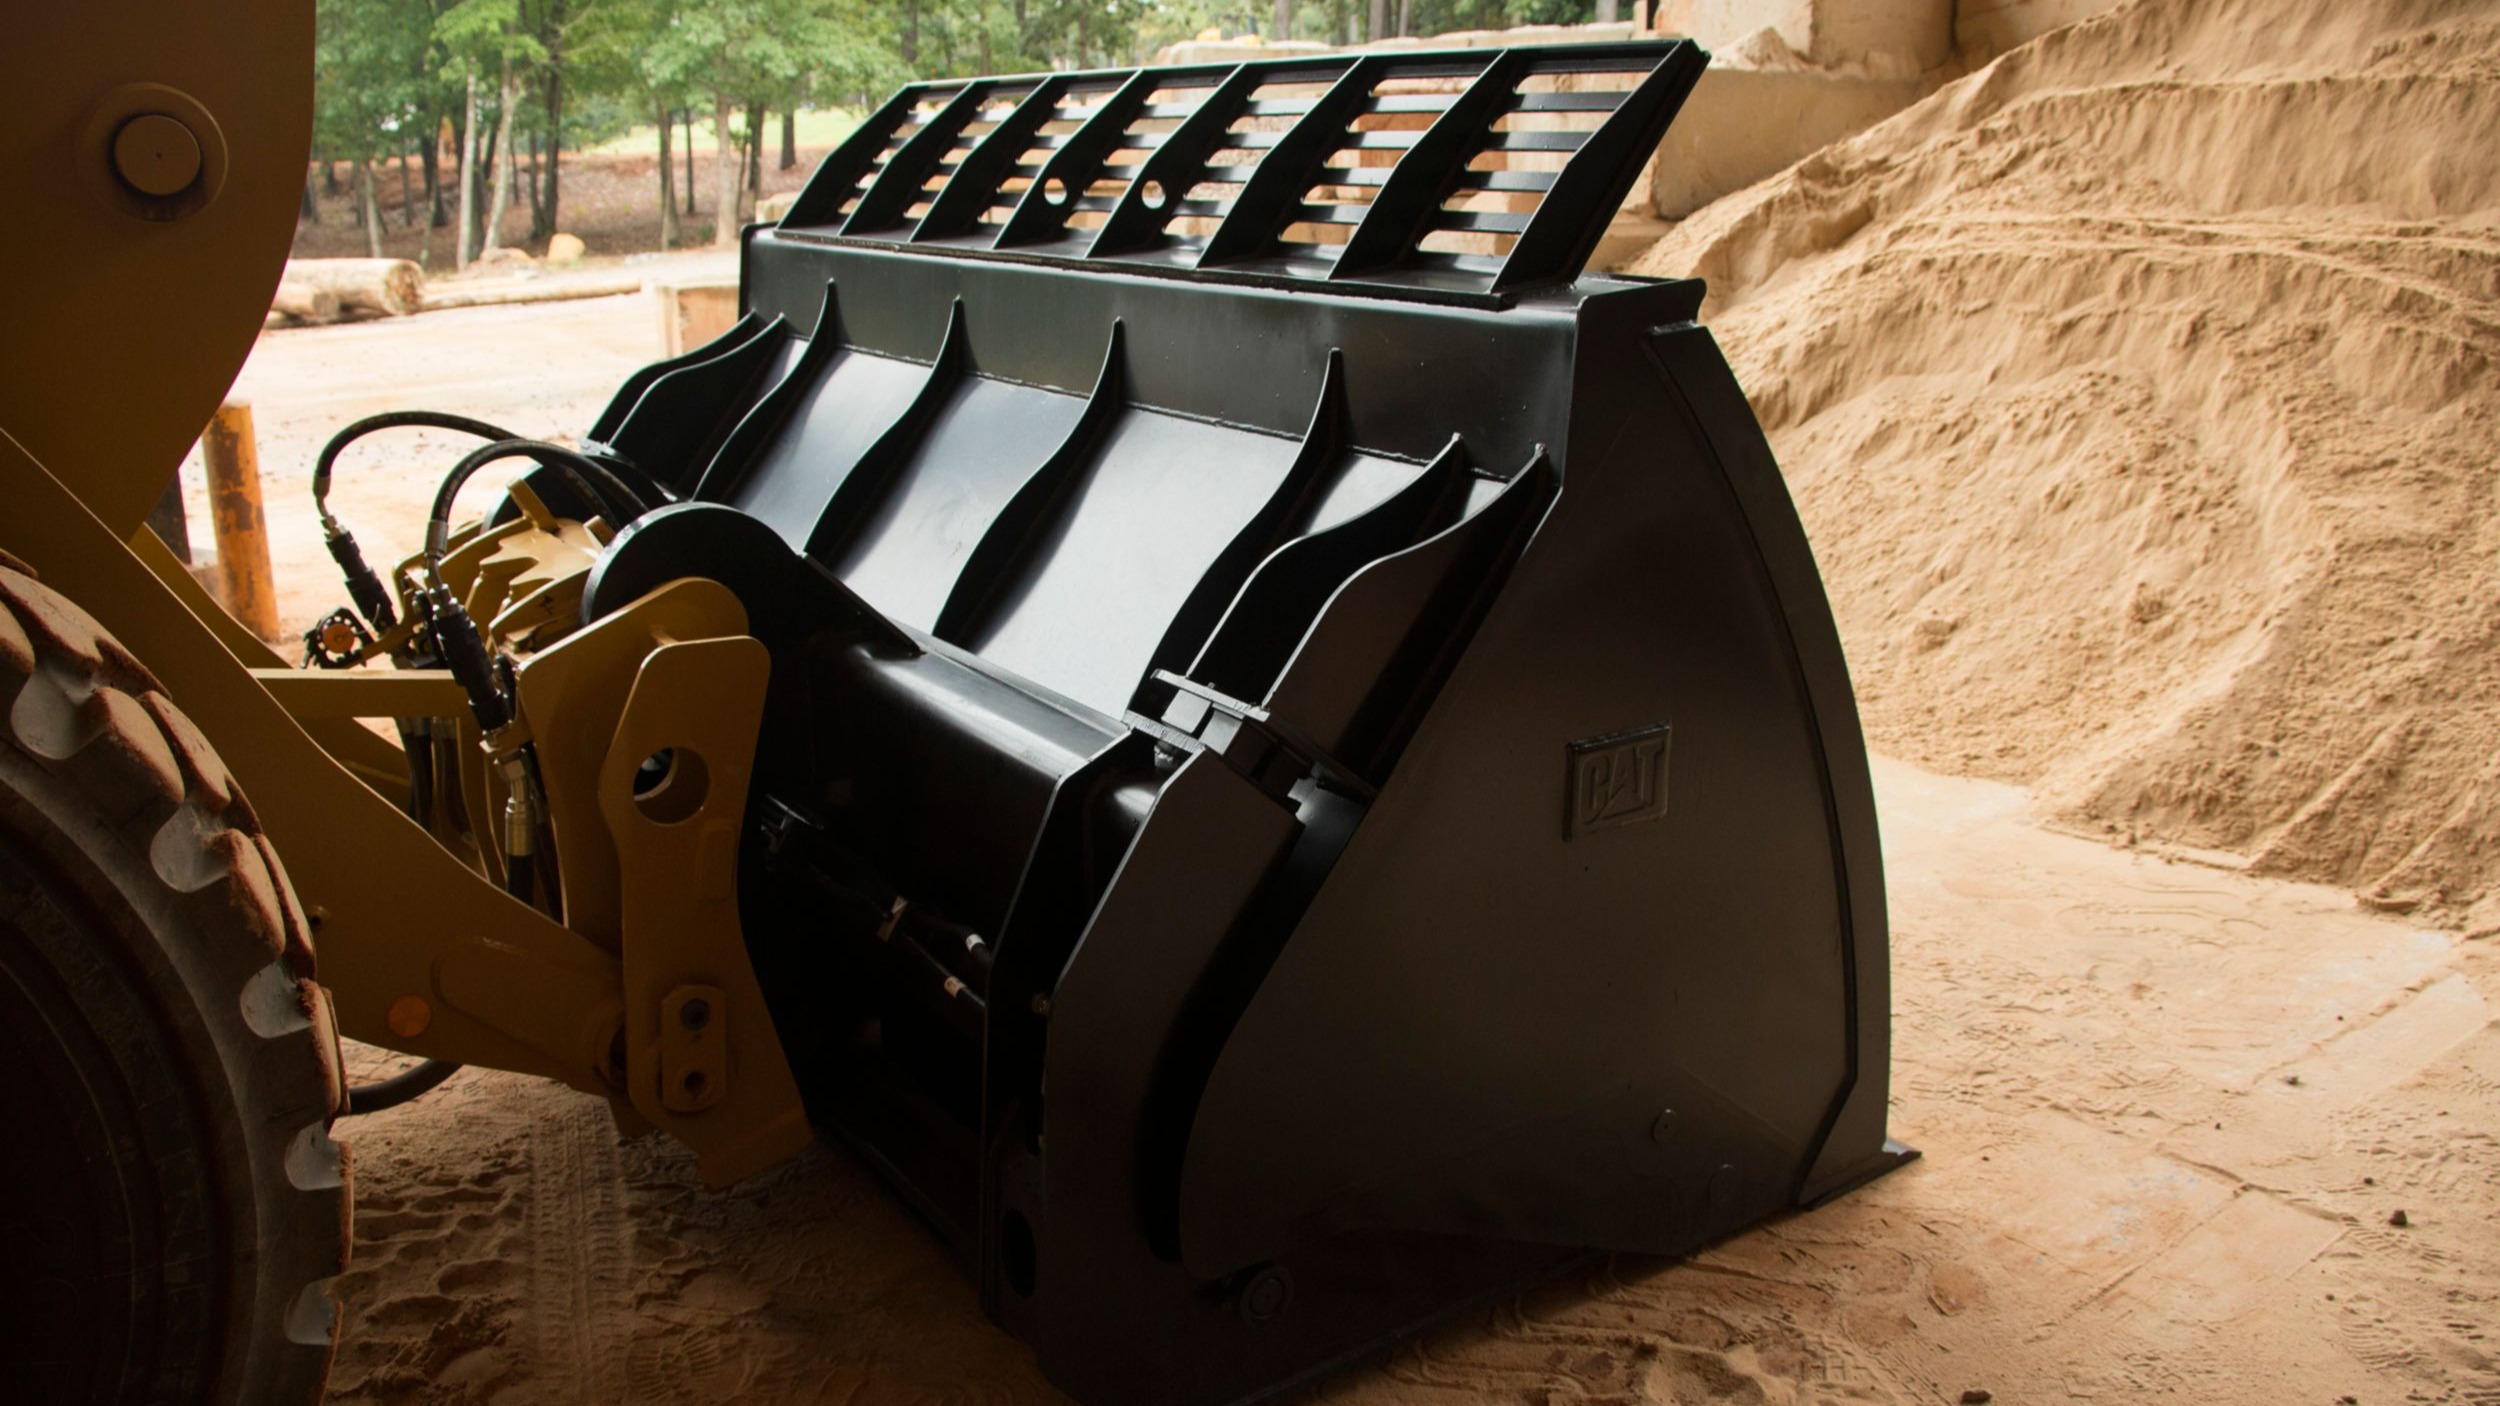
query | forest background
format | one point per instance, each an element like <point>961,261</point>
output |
<point>445,128</point>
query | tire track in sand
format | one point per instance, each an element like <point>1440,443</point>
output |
<point>580,1255</point>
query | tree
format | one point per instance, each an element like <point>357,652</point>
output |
<point>739,54</point>
<point>547,22</point>
<point>368,81</point>
<point>480,37</point>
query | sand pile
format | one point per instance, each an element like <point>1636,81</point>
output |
<point>2142,394</point>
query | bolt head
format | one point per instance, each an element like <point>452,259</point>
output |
<point>695,1014</point>
<point>1268,1294</point>
<point>156,155</point>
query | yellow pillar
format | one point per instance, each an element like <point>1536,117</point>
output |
<point>247,585</point>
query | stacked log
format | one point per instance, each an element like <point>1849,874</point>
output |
<point>320,290</point>
<point>302,303</point>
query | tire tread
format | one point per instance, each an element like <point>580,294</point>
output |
<point>153,777</point>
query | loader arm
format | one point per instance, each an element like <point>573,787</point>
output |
<point>169,163</point>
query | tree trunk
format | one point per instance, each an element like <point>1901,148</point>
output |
<point>430,163</point>
<point>1281,27</point>
<point>305,303</point>
<point>373,210</point>
<point>686,116</point>
<point>1406,14</point>
<point>668,181</point>
<point>1605,11</point>
<point>310,211</point>
<point>392,286</point>
<point>528,177</point>
<point>755,151</point>
<point>407,193</point>
<point>466,240</point>
<point>492,234</point>
<point>911,32</point>
<point>329,177</point>
<point>724,177</point>
<point>548,215</point>
<point>790,137</point>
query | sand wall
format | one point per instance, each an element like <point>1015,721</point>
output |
<point>2139,391</point>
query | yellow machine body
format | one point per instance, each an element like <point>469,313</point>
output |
<point>166,146</point>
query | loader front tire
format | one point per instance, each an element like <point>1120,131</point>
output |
<point>170,1200</point>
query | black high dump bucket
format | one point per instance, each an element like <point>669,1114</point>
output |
<point>1310,778</point>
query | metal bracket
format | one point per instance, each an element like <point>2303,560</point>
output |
<point>1267,751</point>
<point>674,791</point>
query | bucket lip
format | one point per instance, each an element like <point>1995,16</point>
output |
<point>1561,297</point>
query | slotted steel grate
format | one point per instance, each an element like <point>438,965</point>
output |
<point>1480,171</point>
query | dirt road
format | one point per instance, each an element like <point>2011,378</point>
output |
<point>2169,1112</point>
<point>540,370</point>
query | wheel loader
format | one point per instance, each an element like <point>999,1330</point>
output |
<point>1186,684</point>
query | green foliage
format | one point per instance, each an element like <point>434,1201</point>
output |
<point>392,71</point>
<point>371,75</point>
<point>751,51</point>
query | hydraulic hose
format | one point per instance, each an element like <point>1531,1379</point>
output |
<point>399,1088</point>
<point>593,479</point>
<point>393,420</point>
<point>519,873</point>
<point>463,648</point>
<point>364,587</point>
<point>597,483</point>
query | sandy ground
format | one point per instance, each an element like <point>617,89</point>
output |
<point>2168,1111</point>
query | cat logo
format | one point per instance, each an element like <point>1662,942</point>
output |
<point>1616,780</point>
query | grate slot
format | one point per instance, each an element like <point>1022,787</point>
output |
<point>1536,181</point>
<point>1567,102</point>
<point>1486,221</point>
<point>1431,104</point>
<point>1536,141</point>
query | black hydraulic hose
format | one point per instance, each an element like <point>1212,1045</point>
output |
<point>518,870</point>
<point>399,1088</point>
<point>596,482</point>
<point>364,587</point>
<point>392,420</point>
<point>616,492</point>
<point>580,469</point>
